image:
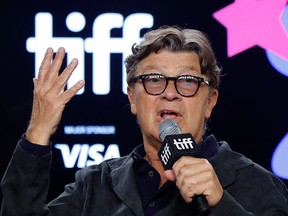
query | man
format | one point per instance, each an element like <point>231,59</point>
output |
<point>171,74</point>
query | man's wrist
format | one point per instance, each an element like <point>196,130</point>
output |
<point>37,137</point>
<point>33,148</point>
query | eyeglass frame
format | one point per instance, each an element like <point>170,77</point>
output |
<point>167,79</point>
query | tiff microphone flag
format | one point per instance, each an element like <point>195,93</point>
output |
<point>175,145</point>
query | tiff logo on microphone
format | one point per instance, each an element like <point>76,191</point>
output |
<point>166,154</point>
<point>184,143</point>
<point>101,44</point>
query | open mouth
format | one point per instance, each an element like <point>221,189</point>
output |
<point>168,114</point>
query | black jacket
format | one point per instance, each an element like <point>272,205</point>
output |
<point>109,189</point>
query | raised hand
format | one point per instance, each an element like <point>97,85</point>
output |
<point>50,98</point>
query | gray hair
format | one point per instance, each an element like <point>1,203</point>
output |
<point>175,39</point>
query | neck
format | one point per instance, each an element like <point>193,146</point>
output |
<point>153,159</point>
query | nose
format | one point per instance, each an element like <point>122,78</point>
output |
<point>170,92</point>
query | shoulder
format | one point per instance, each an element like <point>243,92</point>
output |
<point>226,157</point>
<point>232,166</point>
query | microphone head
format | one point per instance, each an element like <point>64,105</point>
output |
<point>168,127</point>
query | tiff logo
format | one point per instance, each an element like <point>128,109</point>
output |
<point>166,154</point>
<point>101,44</point>
<point>184,143</point>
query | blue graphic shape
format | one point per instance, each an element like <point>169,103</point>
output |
<point>284,18</point>
<point>279,63</point>
<point>279,162</point>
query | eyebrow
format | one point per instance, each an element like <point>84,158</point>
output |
<point>163,68</point>
<point>191,68</point>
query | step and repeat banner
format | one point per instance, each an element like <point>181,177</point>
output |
<point>250,41</point>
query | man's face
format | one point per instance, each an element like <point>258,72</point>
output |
<point>188,112</point>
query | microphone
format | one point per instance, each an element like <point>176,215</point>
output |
<point>175,145</point>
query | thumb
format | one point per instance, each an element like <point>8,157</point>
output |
<point>169,174</point>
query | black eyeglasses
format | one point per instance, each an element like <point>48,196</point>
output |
<point>185,85</point>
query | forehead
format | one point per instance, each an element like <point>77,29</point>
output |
<point>170,61</point>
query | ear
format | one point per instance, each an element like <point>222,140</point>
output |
<point>212,100</point>
<point>131,97</point>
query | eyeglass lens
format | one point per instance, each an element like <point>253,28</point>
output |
<point>156,84</point>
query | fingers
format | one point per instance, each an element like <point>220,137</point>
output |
<point>49,79</point>
<point>67,95</point>
<point>169,174</point>
<point>60,81</point>
<point>190,176</point>
<point>50,67</point>
<point>196,176</point>
<point>188,166</point>
<point>45,63</point>
<point>50,98</point>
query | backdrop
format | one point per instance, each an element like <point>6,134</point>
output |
<point>250,42</point>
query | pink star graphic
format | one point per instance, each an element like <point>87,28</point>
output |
<point>254,22</point>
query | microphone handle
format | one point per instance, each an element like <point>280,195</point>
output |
<point>201,205</point>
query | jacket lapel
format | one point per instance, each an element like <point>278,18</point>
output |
<point>124,185</point>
